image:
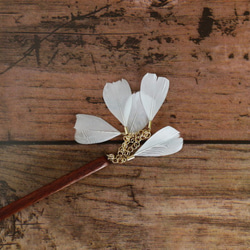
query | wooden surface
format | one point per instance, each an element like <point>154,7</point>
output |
<point>55,58</point>
<point>53,187</point>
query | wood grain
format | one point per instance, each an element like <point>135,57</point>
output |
<point>56,59</point>
<point>197,199</point>
<point>53,187</point>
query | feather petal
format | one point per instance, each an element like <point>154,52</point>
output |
<point>116,96</point>
<point>92,129</point>
<point>164,142</point>
<point>137,118</point>
<point>153,93</point>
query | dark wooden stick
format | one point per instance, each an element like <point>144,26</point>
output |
<point>53,187</point>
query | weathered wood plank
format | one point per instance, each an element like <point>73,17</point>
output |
<point>196,199</point>
<point>56,58</point>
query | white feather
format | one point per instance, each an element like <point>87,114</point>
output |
<point>153,93</point>
<point>116,96</point>
<point>164,142</point>
<point>92,129</point>
<point>137,118</point>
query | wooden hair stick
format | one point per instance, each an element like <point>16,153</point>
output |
<point>53,187</point>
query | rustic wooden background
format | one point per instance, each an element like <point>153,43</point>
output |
<point>55,58</point>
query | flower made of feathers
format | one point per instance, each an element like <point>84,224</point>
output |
<point>134,111</point>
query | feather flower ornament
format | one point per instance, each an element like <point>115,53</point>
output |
<point>135,111</point>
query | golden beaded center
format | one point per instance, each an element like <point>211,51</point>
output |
<point>131,142</point>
